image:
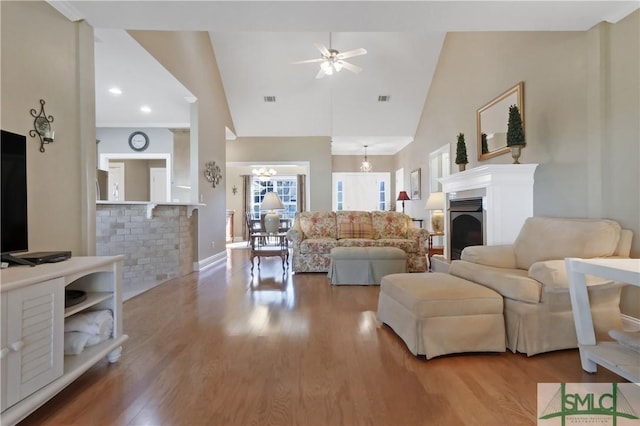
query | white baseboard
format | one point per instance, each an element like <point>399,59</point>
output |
<point>630,323</point>
<point>209,262</point>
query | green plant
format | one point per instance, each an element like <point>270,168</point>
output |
<point>461,150</point>
<point>515,133</point>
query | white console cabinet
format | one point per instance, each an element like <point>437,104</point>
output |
<point>34,367</point>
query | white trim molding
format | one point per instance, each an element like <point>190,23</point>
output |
<point>507,198</point>
<point>210,262</point>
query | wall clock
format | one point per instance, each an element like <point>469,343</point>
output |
<point>138,141</point>
<point>213,173</point>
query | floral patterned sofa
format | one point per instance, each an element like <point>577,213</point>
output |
<point>314,234</point>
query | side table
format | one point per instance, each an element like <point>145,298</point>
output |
<point>431,249</point>
<point>264,244</point>
<point>620,359</point>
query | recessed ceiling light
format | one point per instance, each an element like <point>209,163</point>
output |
<point>145,109</point>
<point>115,91</point>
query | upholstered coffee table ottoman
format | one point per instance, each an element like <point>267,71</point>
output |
<point>365,265</point>
<point>437,314</point>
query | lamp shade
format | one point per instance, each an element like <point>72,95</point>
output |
<point>403,196</point>
<point>271,201</point>
<point>435,201</point>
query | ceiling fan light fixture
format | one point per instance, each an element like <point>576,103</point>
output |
<point>327,68</point>
<point>331,60</point>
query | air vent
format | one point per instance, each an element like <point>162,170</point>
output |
<point>384,98</point>
<point>269,98</point>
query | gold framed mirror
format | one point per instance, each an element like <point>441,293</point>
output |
<point>492,122</point>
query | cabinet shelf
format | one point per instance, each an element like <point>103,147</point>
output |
<point>74,367</point>
<point>92,354</point>
<point>93,298</point>
<point>27,292</point>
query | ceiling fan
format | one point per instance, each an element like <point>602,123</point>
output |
<point>332,60</point>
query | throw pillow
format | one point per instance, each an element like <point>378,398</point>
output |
<point>355,230</point>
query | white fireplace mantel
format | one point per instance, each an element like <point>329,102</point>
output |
<point>507,198</point>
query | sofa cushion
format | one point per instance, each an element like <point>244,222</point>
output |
<point>511,283</point>
<point>546,238</point>
<point>355,230</point>
<point>355,242</point>
<point>408,246</point>
<point>318,245</point>
<point>390,224</point>
<point>558,299</point>
<point>553,273</point>
<point>500,256</point>
<point>624,245</point>
<point>318,224</point>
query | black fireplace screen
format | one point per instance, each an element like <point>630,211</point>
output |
<point>467,228</point>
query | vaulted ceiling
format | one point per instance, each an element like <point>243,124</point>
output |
<point>255,43</point>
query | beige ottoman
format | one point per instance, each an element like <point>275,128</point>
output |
<point>365,265</point>
<point>437,314</point>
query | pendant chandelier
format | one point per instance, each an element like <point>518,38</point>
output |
<point>263,173</point>
<point>366,166</point>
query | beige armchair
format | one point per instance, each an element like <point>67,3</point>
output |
<point>531,276</point>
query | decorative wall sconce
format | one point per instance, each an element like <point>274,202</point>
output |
<point>212,173</point>
<point>234,190</point>
<point>42,126</point>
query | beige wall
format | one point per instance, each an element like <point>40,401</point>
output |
<point>44,56</point>
<point>136,180</point>
<point>181,164</point>
<point>189,57</point>
<point>570,83</point>
<point>315,150</point>
<point>621,141</point>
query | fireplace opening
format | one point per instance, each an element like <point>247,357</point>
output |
<point>467,225</point>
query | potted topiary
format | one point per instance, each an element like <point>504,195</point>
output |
<point>461,153</point>
<point>515,133</point>
<point>485,145</point>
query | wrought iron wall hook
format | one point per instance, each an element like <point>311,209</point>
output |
<point>42,126</point>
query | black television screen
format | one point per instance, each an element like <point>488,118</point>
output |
<point>13,192</point>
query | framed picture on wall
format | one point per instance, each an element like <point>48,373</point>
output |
<point>414,183</point>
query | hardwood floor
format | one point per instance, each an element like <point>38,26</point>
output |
<point>223,348</point>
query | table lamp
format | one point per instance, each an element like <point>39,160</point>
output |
<point>403,196</point>
<point>271,202</point>
<point>435,202</point>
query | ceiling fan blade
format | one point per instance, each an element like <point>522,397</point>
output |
<point>308,61</point>
<point>320,73</point>
<point>322,49</point>
<point>352,53</point>
<point>353,68</point>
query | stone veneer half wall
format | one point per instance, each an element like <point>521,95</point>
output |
<point>156,249</point>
